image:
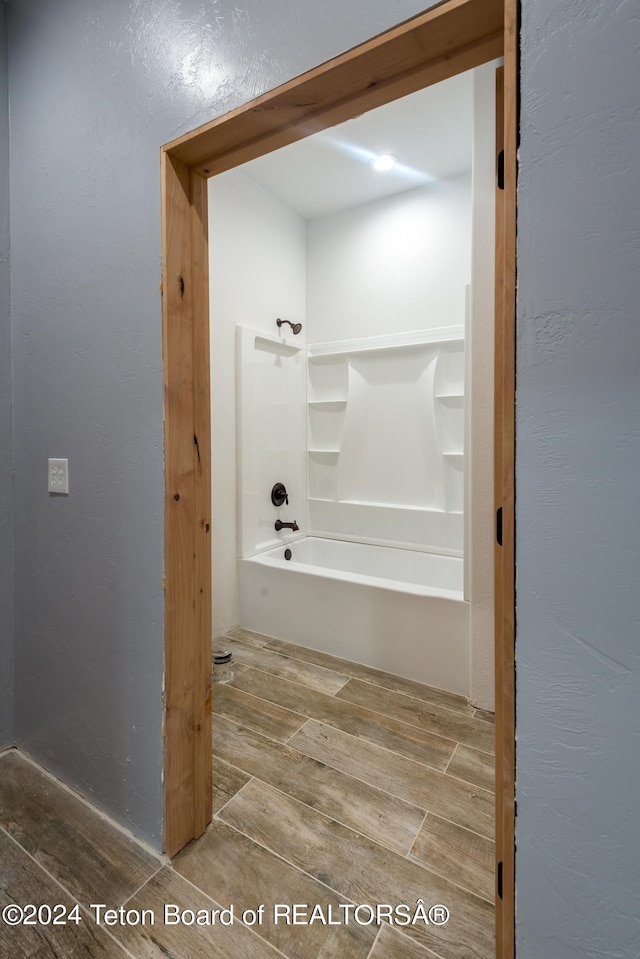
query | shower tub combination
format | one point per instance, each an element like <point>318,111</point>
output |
<point>375,571</point>
<point>399,610</point>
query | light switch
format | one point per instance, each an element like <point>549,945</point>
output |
<point>58,476</point>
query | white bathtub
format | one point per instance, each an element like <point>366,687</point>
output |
<point>398,610</point>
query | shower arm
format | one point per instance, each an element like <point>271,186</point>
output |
<point>296,327</point>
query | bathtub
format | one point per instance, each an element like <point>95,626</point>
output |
<point>394,609</point>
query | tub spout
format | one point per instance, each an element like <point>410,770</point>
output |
<point>280,525</point>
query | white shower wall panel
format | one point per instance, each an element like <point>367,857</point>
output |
<point>272,430</point>
<point>386,445</point>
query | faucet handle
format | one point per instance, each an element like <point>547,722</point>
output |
<point>279,495</point>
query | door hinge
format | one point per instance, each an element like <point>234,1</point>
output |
<point>500,865</point>
<point>499,526</point>
<point>501,170</point>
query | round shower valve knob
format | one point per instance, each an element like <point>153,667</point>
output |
<point>279,495</point>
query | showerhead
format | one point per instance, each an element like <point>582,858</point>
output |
<point>296,327</point>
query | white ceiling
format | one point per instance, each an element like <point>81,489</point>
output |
<point>429,131</point>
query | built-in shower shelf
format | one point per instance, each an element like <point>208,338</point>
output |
<point>395,506</point>
<point>452,399</point>
<point>279,346</point>
<point>320,352</point>
<point>328,405</point>
<point>453,454</point>
<point>324,452</point>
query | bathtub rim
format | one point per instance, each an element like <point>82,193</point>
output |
<point>267,558</point>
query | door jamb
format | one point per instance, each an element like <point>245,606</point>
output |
<point>441,42</point>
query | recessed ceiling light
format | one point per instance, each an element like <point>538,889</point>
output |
<point>383,163</point>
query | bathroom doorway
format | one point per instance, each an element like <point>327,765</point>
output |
<point>478,30</point>
<point>357,640</point>
<point>365,412</point>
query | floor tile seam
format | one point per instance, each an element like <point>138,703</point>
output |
<point>423,727</point>
<point>293,682</point>
<point>238,769</point>
<point>421,808</point>
<point>287,679</point>
<point>385,846</point>
<point>364,782</point>
<point>446,739</point>
<point>227,635</point>
<point>299,659</point>
<point>277,655</point>
<point>381,685</point>
<point>424,819</point>
<point>429,953</point>
<point>384,849</point>
<point>143,884</point>
<point>491,793</point>
<point>99,813</point>
<point>287,742</point>
<point>449,709</point>
<point>393,752</point>
<point>218,905</point>
<point>345,683</point>
<point>455,749</point>
<point>479,709</point>
<point>454,822</point>
<point>375,941</point>
<point>57,882</point>
<point>485,752</point>
<point>292,865</point>
<point>243,725</point>
<point>117,942</point>
<point>425,702</point>
<point>226,803</point>
<point>237,793</point>
<point>458,884</point>
<point>459,825</point>
<point>261,699</point>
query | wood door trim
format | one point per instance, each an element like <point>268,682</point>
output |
<point>445,40</point>
<point>504,490</point>
<point>187,445</point>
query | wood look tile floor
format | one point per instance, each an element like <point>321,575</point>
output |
<point>334,785</point>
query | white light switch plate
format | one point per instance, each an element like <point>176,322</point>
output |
<point>58,476</point>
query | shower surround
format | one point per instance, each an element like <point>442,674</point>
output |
<point>367,435</point>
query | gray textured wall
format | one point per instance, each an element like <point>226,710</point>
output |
<point>6,441</point>
<point>578,482</point>
<point>95,88</point>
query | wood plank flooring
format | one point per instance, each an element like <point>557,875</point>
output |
<point>335,785</point>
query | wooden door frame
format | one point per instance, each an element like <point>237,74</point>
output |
<point>439,43</point>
